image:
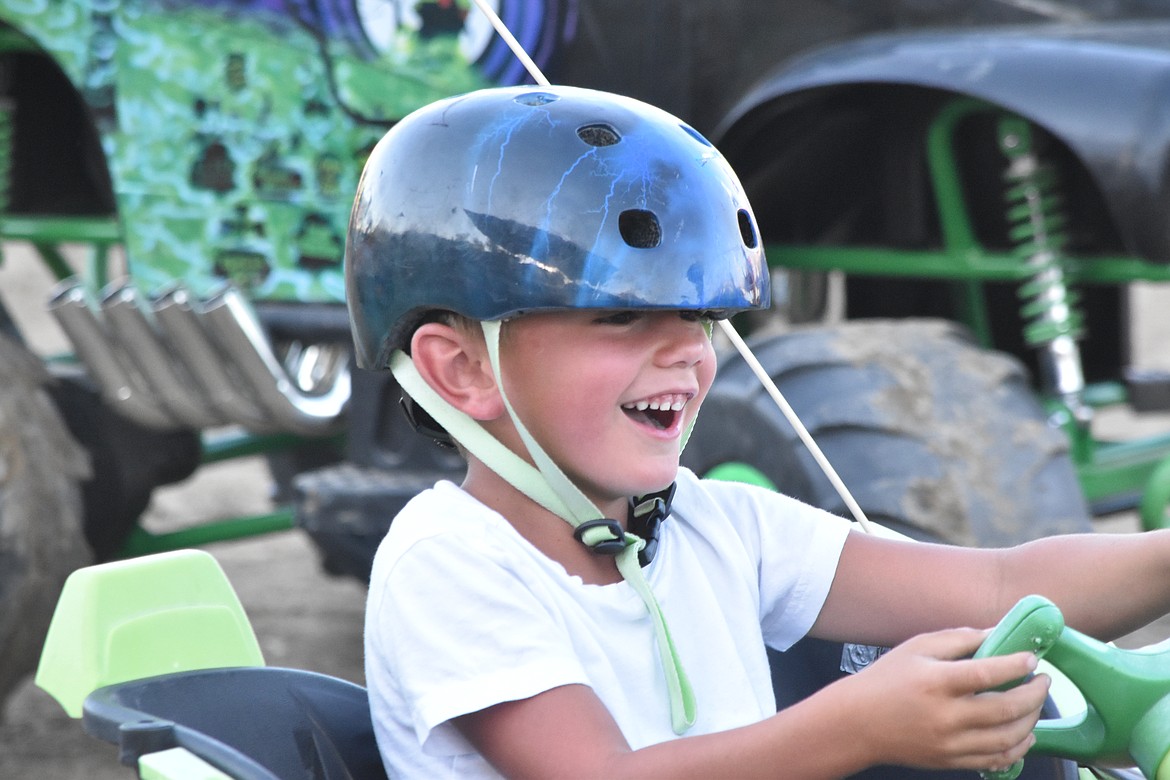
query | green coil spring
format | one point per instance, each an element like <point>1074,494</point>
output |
<point>7,141</point>
<point>1036,224</point>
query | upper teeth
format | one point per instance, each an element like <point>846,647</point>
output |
<point>674,403</point>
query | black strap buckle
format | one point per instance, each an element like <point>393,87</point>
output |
<point>612,546</point>
<point>421,420</point>
<point>645,519</point>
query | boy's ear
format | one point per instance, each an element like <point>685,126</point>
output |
<point>454,362</point>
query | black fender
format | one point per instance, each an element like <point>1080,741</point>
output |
<point>1101,90</point>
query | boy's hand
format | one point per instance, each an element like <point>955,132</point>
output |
<point>926,703</point>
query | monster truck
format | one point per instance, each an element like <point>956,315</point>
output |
<point>184,169</point>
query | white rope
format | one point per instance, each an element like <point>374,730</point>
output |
<point>794,420</point>
<point>744,350</point>
<point>513,44</point>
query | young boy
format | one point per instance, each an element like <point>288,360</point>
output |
<point>539,267</point>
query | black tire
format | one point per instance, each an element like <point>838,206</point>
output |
<point>934,437</point>
<point>41,536</point>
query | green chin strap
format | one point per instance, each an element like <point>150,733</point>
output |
<point>548,486</point>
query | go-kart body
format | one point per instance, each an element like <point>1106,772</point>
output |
<point>156,656</point>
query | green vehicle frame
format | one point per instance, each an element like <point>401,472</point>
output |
<point>1110,471</point>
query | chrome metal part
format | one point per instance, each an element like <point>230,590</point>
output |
<point>80,318</point>
<point>164,371</point>
<point>175,313</point>
<point>174,362</point>
<point>236,330</point>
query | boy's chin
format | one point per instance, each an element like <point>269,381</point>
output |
<point>654,483</point>
<point>639,481</point>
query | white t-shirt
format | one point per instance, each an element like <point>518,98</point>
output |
<point>464,613</point>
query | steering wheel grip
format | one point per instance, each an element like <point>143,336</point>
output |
<point>1126,719</point>
<point>1034,624</point>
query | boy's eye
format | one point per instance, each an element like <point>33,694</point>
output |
<point>704,318</point>
<point>619,318</point>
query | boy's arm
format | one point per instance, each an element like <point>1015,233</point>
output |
<point>886,591</point>
<point>914,707</point>
<point>1106,585</point>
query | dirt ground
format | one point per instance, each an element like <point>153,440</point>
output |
<point>304,618</point>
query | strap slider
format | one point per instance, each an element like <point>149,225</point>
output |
<point>646,515</point>
<point>604,536</point>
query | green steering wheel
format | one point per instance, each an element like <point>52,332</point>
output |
<point>1127,692</point>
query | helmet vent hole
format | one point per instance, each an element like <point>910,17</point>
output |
<point>537,99</point>
<point>693,133</point>
<point>747,229</point>
<point>640,228</point>
<point>598,135</point>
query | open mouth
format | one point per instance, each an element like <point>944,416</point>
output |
<point>661,412</point>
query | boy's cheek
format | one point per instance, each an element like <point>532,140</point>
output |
<point>707,378</point>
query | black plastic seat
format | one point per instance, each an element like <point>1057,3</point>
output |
<point>252,723</point>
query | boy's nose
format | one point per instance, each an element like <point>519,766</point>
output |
<point>686,341</point>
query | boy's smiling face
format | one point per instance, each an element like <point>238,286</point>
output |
<point>609,394</point>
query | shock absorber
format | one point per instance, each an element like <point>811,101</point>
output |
<point>7,139</point>
<point>1053,322</point>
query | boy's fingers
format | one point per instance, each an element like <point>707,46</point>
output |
<point>1003,759</point>
<point>1020,703</point>
<point>1001,724</point>
<point>1007,718</point>
<point>985,674</point>
<point>950,644</point>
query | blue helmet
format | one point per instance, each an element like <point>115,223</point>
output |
<point>520,199</point>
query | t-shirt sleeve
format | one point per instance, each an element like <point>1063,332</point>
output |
<point>796,548</point>
<point>791,601</point>
<point>479,636</point>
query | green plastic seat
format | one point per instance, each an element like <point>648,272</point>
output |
<point>142,617</point>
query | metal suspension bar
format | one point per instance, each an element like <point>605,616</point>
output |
<point>1053,321</point>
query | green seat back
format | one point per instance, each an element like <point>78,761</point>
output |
<point>142,617</point>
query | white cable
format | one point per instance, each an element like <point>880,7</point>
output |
<point>801,431</point>
<point>744,350</point>
<point>513,44</point>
